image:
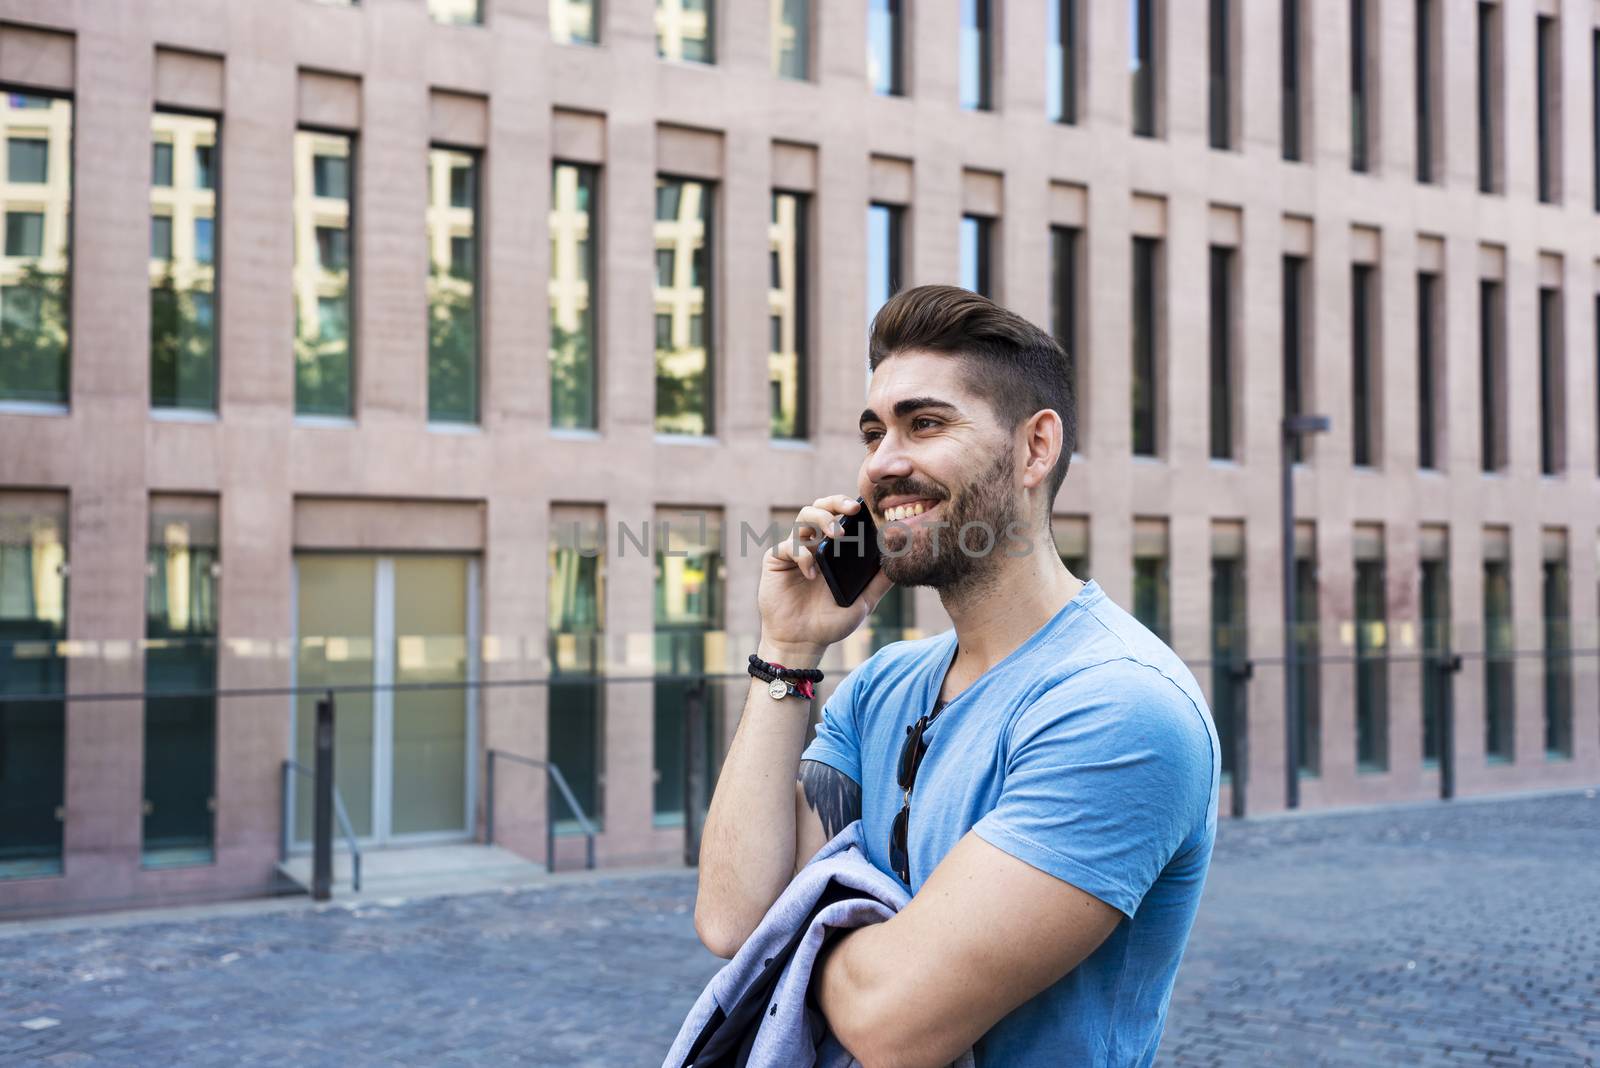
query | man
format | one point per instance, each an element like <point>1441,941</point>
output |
<point>1059,825</point>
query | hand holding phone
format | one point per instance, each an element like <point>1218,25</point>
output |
<point>849,562</point>
<point>834,538</point>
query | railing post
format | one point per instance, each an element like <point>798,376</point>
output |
<point>322,822</point>
<point>1242,671</point>
<point>488,798</point>
<point>693,769</point>
<point>549,821</point>
<point>1449,665</point>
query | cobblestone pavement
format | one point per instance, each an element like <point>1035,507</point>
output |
<point>1440,935</point>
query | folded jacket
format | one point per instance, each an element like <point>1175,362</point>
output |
<point>754,1013</point>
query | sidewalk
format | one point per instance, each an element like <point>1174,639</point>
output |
<point>1433,935</point>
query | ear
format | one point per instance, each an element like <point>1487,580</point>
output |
<point>1040,437</point>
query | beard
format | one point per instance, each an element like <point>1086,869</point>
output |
<point>934,556</point>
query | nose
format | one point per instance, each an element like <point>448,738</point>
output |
<point>885,463</point>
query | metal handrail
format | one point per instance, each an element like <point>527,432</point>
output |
<point>339,810</point>
<point>552,774</point>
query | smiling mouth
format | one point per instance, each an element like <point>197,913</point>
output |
<point>910,513</point>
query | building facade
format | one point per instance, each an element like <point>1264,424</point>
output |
<point>452,353</point>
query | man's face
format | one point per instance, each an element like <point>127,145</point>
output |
<point>938,462</point>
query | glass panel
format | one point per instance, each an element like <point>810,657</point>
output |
<point>786,302</point>
<point>1294,370</point>
<point>334,648</point>
<point>1308,667</point>
<point>975,254</point>
<point>1363,450</point>
<point>893,616</point>
<point>883,255</point>
<point>1144,346</point>
<point>180,733</point>
<point>683,368</point>
<point>791,34</point>
<point>975,55</point>
<point>574,293</point>
<point>1142,65</point>
<point>688,612</point>
<point>884,48</point>
<point>1557,660</point>
<point>460,12</point>
<point>684,30</point>
<point>1290,71</point>
<point>1435,643</point>
<point>1061,61</point>
<point>1552,399</point>
<point>183,277</point>
<point>452,286</point>
<point>1221,323</point>
<point>430,726</point>
<point>324,222</point>
<point>575,21</point>
<point>1372,673</point>
<point>36,202</point>
<point>577,713</point>
<point>1499,645</point>
<point>1358,86</point>
<point>1220,82</point>
<point>1151,598</point>
<point>33,598</point>
<point>1427,293</point>
<point>1228,648</point>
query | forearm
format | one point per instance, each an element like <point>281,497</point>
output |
<point>747,848</point>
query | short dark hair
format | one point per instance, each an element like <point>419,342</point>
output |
<point>1018,368</point>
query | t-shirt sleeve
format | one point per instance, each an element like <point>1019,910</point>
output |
<point>838,740</point>
<point>1107,775</point>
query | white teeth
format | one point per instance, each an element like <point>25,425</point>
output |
<point>905,511</point>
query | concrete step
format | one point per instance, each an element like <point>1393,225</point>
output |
<point>421,871</point>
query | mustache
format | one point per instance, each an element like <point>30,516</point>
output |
<point>906,489</point>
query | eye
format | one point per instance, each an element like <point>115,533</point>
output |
<point>870,436</point>
<point>919,421</point>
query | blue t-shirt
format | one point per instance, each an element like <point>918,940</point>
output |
<point>1089,753</point>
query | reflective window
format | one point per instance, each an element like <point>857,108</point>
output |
<point>886,47</point>
<point>575,21</point>
<point>453,291</point>
<point>685,30</point>
<point>33,619</point>
<point>787,307</point>
<point>180,733</point>
<point>457,12</point>
<point>1065,243</point>
<point>1292,100</point>
<point>683,247</point>
<point>1499,649</point>
<point>1142,66</point>
<point>324,222</point>
<point>183,277</point>
<point>1308,646</point>
<point>1429,367</point>
<point>1361,102</point>
<point>1219,84</point>
<point>1223,387</point>
<point>1229,647</point>
<point>1557,597</point>
<point>1434,607</point>
<point>1427,74</point>
<point>690,575</point>
<point>161,163</point>
<point>977,56</point>
<point>1547,106</point>
<point>1492,391</point>
<point>1296,351</point>
<point>1363,365</point>
<point>1552,385</point>
<point>1062,60</point>
<point>1371,652</point>
<point>34,274</point>
<point>791,39</point>
<point>977,254</point>
<point>885,254</point>
<point>1146,269</point>
<point>1152,595</point>
<point>577,662</point>
<point>1491,97</point>
<point>574,289</point>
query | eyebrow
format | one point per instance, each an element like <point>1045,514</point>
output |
<point>909,405</point>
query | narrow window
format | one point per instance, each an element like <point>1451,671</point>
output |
<point>1547,43</point>
<point>885,274</point>
<point>1372,668</point>
<point>1427,73</point>
<point>574,296</point>
<point>1363,407</point>
<point>575,21</point>
<point>453,291</point>
<point>686,30</point>
<point>977,56</point>
<point>1223,386</point>
<point>1229,640</point>
<point>1146,411</point>
<point>1062,60</point>
<point>35,201</point>
<point>180,732</point>
<point>886,47</point>
<point>1491,94</point>
<point>1552,385</point>
<point>1292,100</point>
<point>1296,372</point>
<point>1065,242</point>
<point>577,720</point>
<point>1361,103</point>
<point>977,237</point>
<point>1557,596</point>
<point>324,284</point>
<point>1499,645</point>
<point>1435,610</point>
<point>791,39</point>
<point>183,276</point>
<point>1491,375</point>
<point>1428,367</point>
<point>787,302</point>
<point>1145,43</point>
<point>1220,82</point>
<point>683,234</point>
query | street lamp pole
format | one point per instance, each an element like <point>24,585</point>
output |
<point>1294,427</point>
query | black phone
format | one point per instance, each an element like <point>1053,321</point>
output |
<point>849,561</point>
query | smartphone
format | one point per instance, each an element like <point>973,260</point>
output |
<point>849,561</point>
